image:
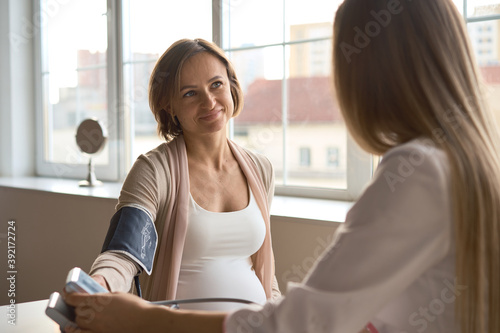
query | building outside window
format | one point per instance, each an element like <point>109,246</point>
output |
<point>305,156</point>
<point>483,17</point>
<point>95,58</point>
<point>332,158</point>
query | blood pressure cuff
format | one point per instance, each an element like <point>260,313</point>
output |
<point>132,233</point>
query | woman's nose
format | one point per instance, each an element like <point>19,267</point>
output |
<point>208,101</point>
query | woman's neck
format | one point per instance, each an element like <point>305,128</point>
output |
<point>210,150</point>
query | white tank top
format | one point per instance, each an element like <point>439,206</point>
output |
<point>216,259</point>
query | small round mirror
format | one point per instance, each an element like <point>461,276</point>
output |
<point>91,137</point>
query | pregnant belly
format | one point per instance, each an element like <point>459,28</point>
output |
<point>227,278</point>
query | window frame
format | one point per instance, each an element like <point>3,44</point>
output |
<point>110,171</point>
<point>475,19</point>
<point>120,118</point>
<point>360,164</point>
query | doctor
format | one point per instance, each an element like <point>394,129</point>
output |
<point>419,250</point>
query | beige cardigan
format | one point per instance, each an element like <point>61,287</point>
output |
<point>158,183</point>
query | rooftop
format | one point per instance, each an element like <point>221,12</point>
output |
<point>310,100</point>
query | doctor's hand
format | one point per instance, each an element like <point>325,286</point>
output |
<point>113,312</point>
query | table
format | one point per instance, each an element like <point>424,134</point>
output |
<point>30,318</point>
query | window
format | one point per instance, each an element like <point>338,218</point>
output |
<point>95,60</point>
<point>74,68</point>
<point>483,22</point>
<point>149,28</point>
<point>305,157</point>
<point>96,57</point>
<point>332,158</point>
<point>284,64</point>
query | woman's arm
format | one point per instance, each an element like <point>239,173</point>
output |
<point>101,280</point>
<point>116,269</point>
<point>139,190</point>
<point>184,321</point>
<point>120,312</point>
<point>276,289</point>
<point>124,313</point>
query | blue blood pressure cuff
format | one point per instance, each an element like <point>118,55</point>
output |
<point>133,233</point>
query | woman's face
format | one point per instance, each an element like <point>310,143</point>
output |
<point>204,104</point>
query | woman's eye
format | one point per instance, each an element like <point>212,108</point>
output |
<point>189,94</point>
<point>216,84</point>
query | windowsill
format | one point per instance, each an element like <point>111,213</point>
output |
<point>62,186</point>
<point>293,208</point>
<point>310,209</point>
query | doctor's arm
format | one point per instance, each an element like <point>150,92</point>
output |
<point>124,313</point>
<point>121,312</point>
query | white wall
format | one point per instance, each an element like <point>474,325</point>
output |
<point>17,101</point>
<point>55,232</point>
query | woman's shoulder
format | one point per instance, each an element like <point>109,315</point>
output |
<point>154,163</point>
<point>420,146</point>
<point>263,164</point>
<point>415,160</point>
<point>411,182</point>
<point>421,151</point>
<point>260,159</point>
<point>157,153</point>
<point>160,153</point>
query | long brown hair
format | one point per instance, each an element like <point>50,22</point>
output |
<point>164,83</point>
<point>404,70</point>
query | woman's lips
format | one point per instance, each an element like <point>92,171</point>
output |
<point>211,116</point>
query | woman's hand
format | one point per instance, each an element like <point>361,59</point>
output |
<point>127,313</point>
<point>113,312</point>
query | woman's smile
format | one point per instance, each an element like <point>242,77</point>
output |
<point>212,115</point>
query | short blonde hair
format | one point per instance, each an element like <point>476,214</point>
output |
<point>164,83</point>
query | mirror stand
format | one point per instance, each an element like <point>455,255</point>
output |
<point>91,178</point>
<point>90,138</point>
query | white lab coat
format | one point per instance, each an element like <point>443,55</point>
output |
<point>391,263</point>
